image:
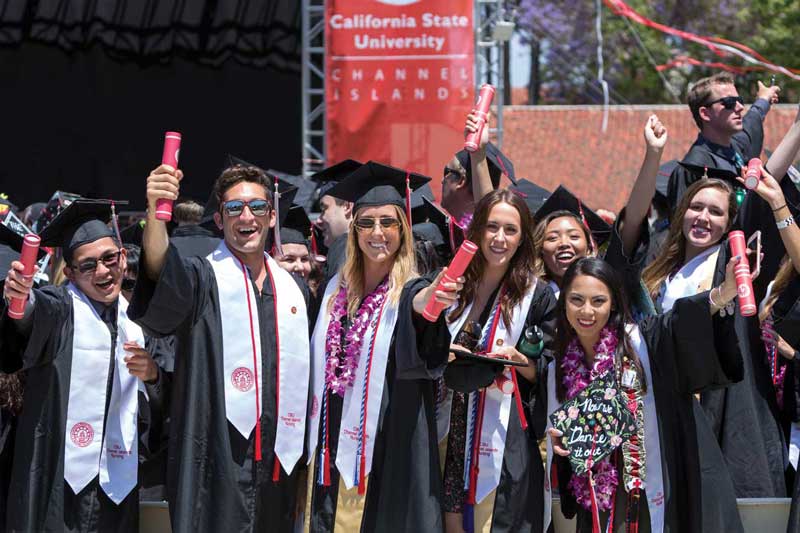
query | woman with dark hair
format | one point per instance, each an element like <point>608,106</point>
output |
<point>651,481</point>
<point>489,429</point>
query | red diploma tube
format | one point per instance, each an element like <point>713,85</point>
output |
<point>753,174</point>
<point>481,109</point>
<point>744,283</point>
<point>30,249</point>
<point>455,269</point>
<point>506,385</point>
<point>172,148</point>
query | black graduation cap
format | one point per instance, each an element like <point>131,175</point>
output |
<point>83,221</point>
<point>498,164</point>
<point>419,213</point>
<point>563,200</point>
<point>452,233</point>
<point>6,205</point>
<point>305,187</point>
<point>13,231</point>
<point>533,195</point>
<point>375,184</point>
<point>711,172</point>
<point>296,228</point>
<point>328,177</point>
<point>133,233</point>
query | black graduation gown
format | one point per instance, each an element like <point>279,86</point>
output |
<point>8,427</point>
<point>745,417</point>
<point>213,481</point>
<point>39,497</point>
<point>786,312</point>
<point>194,241</point>
<point>717,490</point>
<point>404,484</point>
<point>519,499</point>
<point>674,340</point>
<point>703,153</point>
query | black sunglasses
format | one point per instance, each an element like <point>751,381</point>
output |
<point>109,260</point>
<point>367,223</point>
<point>234,208</point>
<point>728,102</point>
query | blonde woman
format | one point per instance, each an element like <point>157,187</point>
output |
<point>371,433</point>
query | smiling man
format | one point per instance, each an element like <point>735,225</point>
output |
<point>241,361</point>
<point>728,136</point>
<point>84,362</point>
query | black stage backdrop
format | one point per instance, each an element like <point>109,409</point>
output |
<point>89,116</point>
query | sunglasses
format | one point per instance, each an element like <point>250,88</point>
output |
<point>728,102</point>
<point>109,260</point>
<point>368,223</point>
<point>234,208</point>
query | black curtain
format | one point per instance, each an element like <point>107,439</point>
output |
<point>88,93</point>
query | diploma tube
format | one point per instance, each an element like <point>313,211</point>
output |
<point>172,148</point>
<point>504,383</point>
<point>753,174</point>
<point>30,249</point>
<point>481,110</point>
<point>455,270</point>
<point>744,283</point>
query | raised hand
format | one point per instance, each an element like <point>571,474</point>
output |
<point>163,182</point>
<point>17,284</point>
<point>655,133</point>
<point>770,94</point>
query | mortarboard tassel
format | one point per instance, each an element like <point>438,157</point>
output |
<point>520,411</point>
<point>503,169</point>
<point>115,223</point>
<point>314,249</point>
<point>408,197</point>
<point>276,242</point>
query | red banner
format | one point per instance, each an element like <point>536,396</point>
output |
<point>399,81</point>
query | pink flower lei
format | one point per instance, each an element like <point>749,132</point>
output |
<point>576,378</point>
<point>341,365</point>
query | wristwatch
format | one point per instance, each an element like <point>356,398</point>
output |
<point>785,223</point>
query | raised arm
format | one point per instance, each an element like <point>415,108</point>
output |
<point>163,182</point>
<point>655,136</point>
<point>770,190</point>
<point>787,149</point>
<point>481,180</point>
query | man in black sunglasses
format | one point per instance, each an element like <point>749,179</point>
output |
<point>728,136</point>
<point>85,365</point>
<point>241,330</point>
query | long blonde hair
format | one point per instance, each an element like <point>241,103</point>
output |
<point>786,273</point>
<point>673,253</point>
<point>403,269</point>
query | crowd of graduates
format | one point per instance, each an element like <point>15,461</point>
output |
<point>263,372</point>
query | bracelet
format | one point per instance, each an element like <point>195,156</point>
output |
<point>778,209</point>
<point>711,300</point>
<point>785,223</point>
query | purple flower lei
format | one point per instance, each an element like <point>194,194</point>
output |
<point>576,378</point>
<point>341,365</point>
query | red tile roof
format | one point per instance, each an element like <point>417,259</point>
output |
<point>552,145</point>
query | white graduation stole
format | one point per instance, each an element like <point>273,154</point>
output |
<point>241,352</point>
<point>653,484</point>
<point>497,406</point>
<point>362,401</point>
<point>693,277</point>
<point>90,447</point>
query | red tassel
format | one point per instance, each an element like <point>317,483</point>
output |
<point>362,482</point>
<point>522,420</point>
<point>326,468</point>
<point>258,440</point>
<point>314,249</point>
<point>476,451</point>
<point>276,470</point>
<point>595,510</point>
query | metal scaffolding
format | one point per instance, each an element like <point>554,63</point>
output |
<point>492,31</point>
<point>313,80</point>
